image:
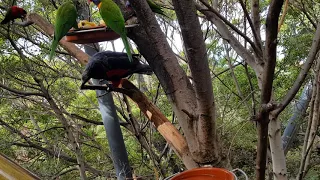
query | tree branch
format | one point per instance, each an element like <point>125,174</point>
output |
<point>85,119</point>
<point>255,11</point>
<point>45,150</point>
<point>235,44</point>
<point>48,29</point>
<point>302,75</point>
<point>163,125</point>
<point>63,172</point>
<point>21,93</point>
<point>257,51</point>
<point>256,34</point>
<point>283,15</point>
<point>303,9</point>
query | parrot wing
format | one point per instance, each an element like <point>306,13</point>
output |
<point>65,19</point>
<point>155,8</point>
<point>111,14</point>
<point>113,60</point>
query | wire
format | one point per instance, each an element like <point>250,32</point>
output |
<point>242,172</point>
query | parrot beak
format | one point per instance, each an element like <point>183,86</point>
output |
<point>85,78</point>
<point>128,4</point>
<point>24,13</point>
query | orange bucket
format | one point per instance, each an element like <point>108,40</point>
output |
<point>206,173</point>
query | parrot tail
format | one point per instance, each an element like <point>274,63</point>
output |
<point>126,45</point>
<point>53,48</point>
<point>160,11</point>
<point>143,69</point>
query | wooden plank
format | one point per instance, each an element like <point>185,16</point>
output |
<point>10,170</point>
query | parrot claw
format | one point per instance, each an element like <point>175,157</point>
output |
<point>110,88</point>
<point>103,94</point>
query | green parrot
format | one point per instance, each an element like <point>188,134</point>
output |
<point>66,18</point>
<point>153,6</point>
<point>112,16</point>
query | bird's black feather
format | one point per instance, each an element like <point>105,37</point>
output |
<point>101,63</point>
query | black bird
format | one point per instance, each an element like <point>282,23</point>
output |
<point>113,66</point>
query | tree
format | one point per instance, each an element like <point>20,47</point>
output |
<point>186,79</point>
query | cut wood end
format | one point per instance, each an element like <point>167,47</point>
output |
<point>149,114</point>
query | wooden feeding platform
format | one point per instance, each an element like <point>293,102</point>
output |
<point>93,35</point>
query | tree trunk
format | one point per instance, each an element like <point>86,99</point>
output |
<point>270,56</point>
<point>206,147</point>
<point>155,48</point>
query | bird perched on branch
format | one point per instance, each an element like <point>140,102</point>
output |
<point>153,6</point>
<point>13,13</point>
<point>112,16</point>
<point>66,18</point>
<point>113,66</point>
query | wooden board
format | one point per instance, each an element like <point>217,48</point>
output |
<point>93,35</point>
<point>10,170</point>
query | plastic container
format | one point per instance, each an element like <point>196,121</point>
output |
<point>205,173</point>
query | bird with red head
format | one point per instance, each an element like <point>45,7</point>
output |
<point>96,2</point>
<point>13,13</point>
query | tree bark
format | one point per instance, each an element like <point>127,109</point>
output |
<point>266,92</point>
<point>154,47</point>
<point>206,148</point>
<point>255,10</point>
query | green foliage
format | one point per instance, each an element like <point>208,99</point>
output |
<point>33,127</point>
